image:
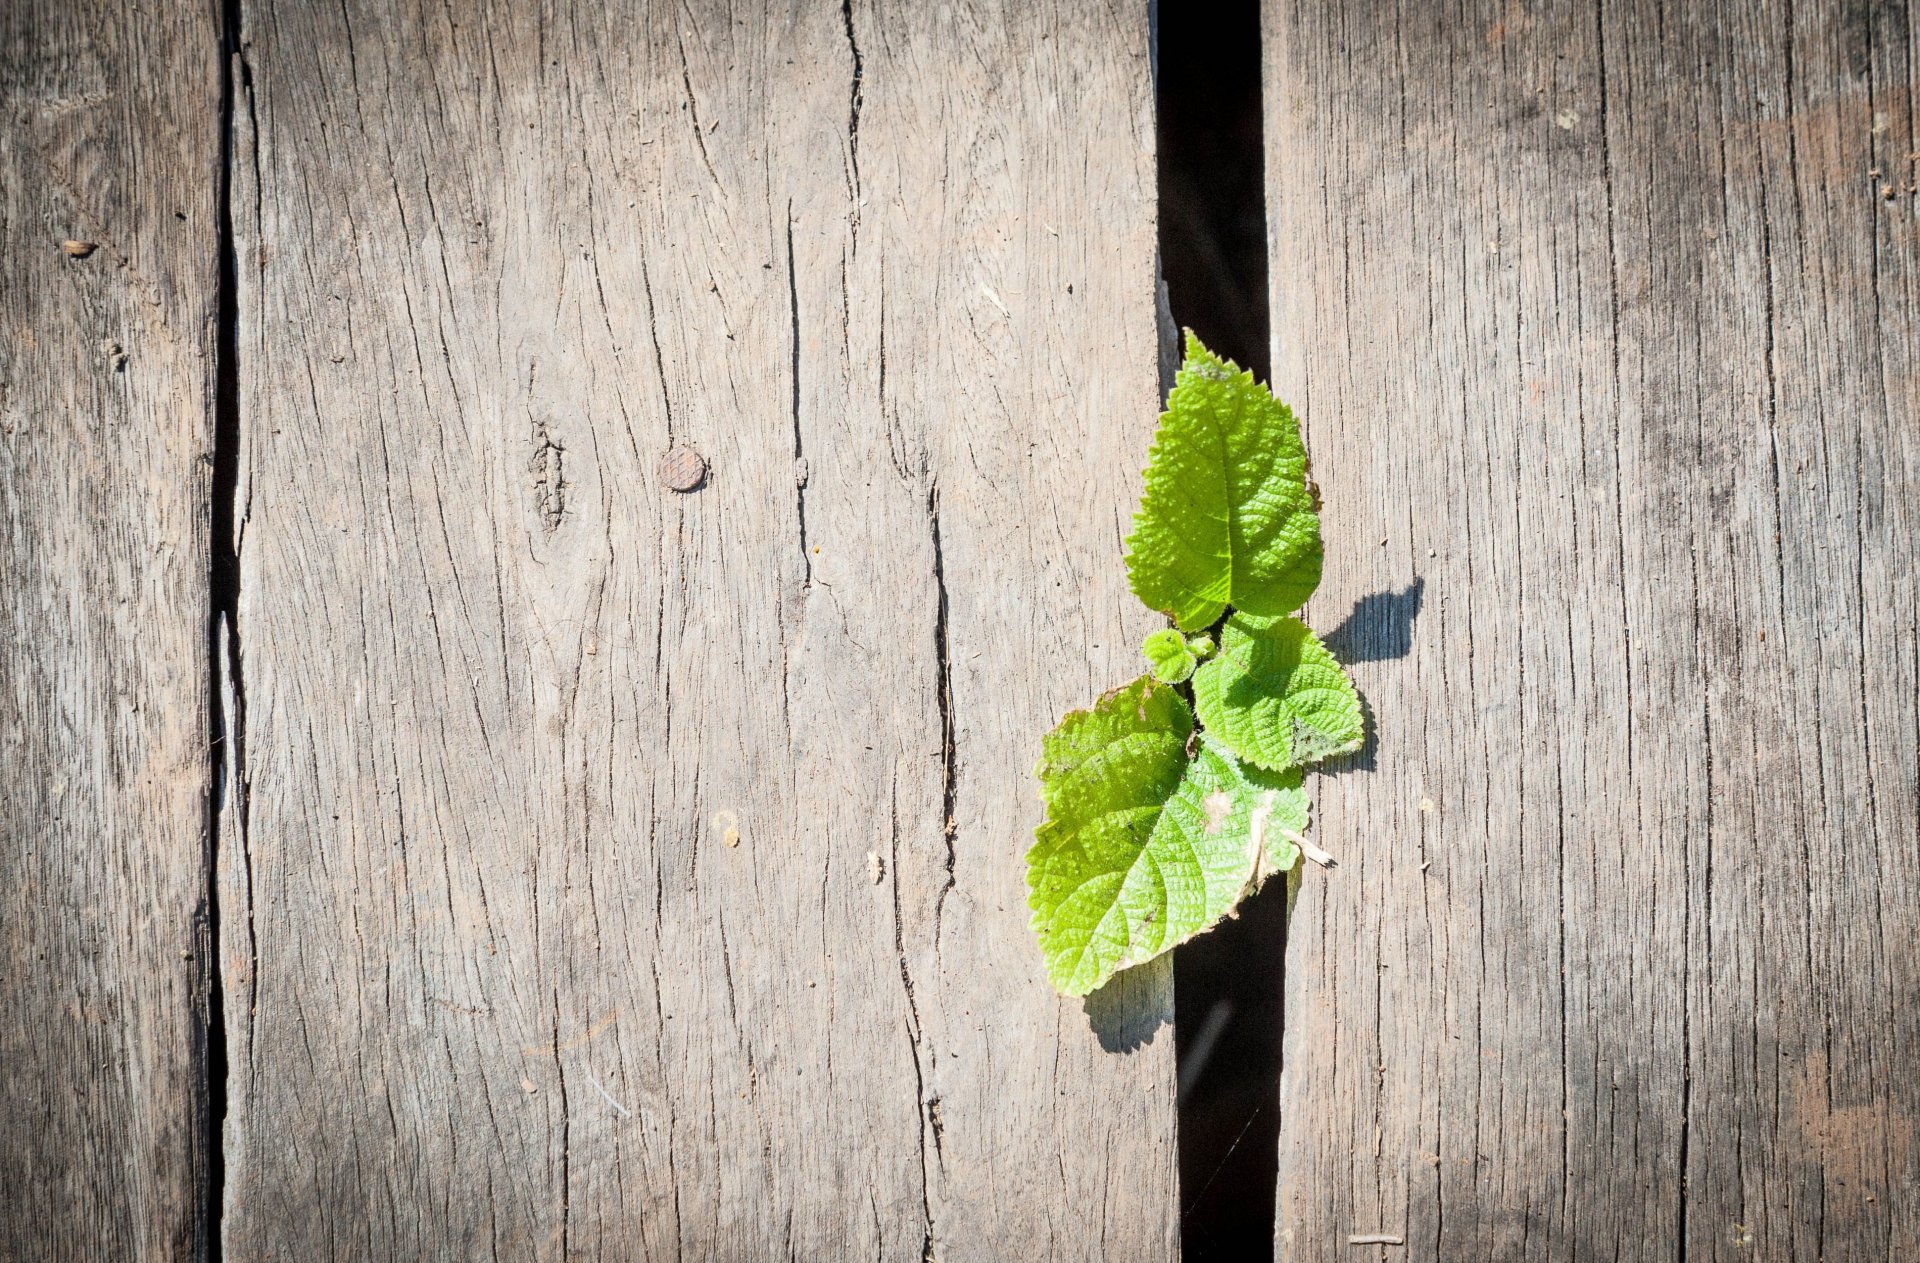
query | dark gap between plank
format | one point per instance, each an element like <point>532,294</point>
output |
<point>223,649</point>
<point>1228,982</point>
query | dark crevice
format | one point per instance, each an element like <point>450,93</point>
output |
<point>914,1036</point>
<point>226,699</point>
<point>943,655</point>
<point>855,99</point>
<point>932,1124</point>
<point>693,110</point>
<point>1227,982</point>
<point>660,361</point>
<point>799,446</point>
<point>566,1135</point>
<point>949,770</point>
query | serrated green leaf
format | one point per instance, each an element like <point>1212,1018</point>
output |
<point>1144,847</point>
<point>1169,657</point>
<point>1275,696</point>
<point>1226,518</point>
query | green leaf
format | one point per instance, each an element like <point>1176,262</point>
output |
<point>1226,518</point>
<point>1275,696</point>
<point>1169,657</point>
<point>1144,847</point>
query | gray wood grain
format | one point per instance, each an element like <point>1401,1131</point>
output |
<point>108,138</point>
<point>1602,318</point>
<point>637,874</point>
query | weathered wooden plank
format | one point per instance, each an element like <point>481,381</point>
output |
<point>631,873</point>
<point>110,139</point>
<point>1603,322</point>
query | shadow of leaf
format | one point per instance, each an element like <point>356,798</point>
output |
<point>1130,1010</point>
<point>1361,760</point>
<point>1379,628</point>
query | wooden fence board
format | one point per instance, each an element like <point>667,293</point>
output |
<point>110,138</point>
<point>631,873</point>
<point>1602,318</point>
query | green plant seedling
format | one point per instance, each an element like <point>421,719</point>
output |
<point>1176,796</point>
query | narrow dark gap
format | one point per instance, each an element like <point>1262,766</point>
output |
<point>1227,983</point>
<point>223,686</point>
<point>1213,213</point>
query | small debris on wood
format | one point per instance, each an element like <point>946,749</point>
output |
<point>622,1110</point>
<point>1307,848</point>
<point>79,249</point>
<point>876,867</point>
<point>115,353</point>
<point>1377,1238</point>
<point>682,469</point>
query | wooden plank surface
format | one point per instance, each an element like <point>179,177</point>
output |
<point>1602,318</point>
<point>110,137</point>
<point>637,874</point>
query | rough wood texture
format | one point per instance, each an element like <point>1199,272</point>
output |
<point>1603,322</point>
<point>109,139</point>
<point>637,874</point>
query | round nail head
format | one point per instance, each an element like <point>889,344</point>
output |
<point>682,469</point>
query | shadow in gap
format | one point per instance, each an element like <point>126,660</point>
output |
<point>1228,994</point>
<point>1227,982</point>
